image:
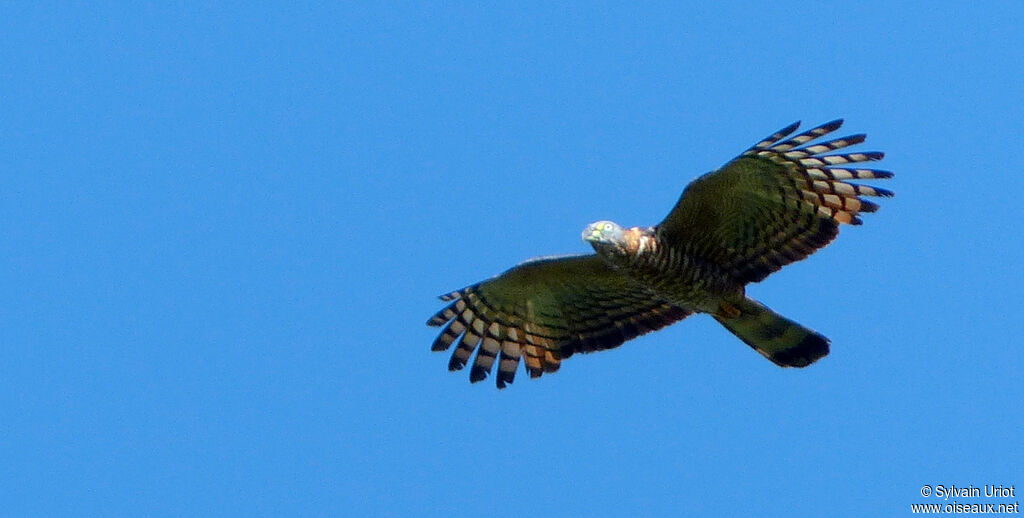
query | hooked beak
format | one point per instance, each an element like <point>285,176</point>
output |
<point>592,234</point>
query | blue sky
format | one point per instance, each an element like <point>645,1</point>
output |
<point>223,228</point>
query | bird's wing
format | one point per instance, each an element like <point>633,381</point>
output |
<point>545,309</point>
<point>776,203</point>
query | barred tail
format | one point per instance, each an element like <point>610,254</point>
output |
<point>777,338</point>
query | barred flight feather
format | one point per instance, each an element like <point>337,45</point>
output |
<point>841,173</point>
<point>808,135</point>
<point>806,166</point>
<point>824,147</point>
<point>504,338</point>
<point>508,363</point>
<point>773,138</point>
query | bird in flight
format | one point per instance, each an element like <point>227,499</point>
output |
<point>776,203</point>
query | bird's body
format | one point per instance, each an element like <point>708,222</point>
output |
<point>776,203</point>
<point>673,275</point>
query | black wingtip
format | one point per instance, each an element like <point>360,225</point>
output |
<point>788,129</point>
<point>455,364</point>
<point>440,344</point>
<point>868,206</point>
<point>500,380</point>
<point>477,373</point>
<point>832,125</point>
<point>442,317</point>
<point>859,138</point>
<point>504,375</point>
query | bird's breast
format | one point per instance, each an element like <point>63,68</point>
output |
<point>680,278</point>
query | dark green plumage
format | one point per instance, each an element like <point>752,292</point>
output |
<point>776,203</point>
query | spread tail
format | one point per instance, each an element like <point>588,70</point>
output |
<point>777,338</point>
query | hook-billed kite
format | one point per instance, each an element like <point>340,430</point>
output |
<point>776,203</point>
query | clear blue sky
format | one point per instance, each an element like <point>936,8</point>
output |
<point>223,228</point>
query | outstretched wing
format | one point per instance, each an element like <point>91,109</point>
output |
<point>545,309</point>
<point>778,202</point>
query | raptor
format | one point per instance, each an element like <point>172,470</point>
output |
<point>777,202</point>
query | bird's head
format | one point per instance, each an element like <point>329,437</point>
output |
<point>605,236</point>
